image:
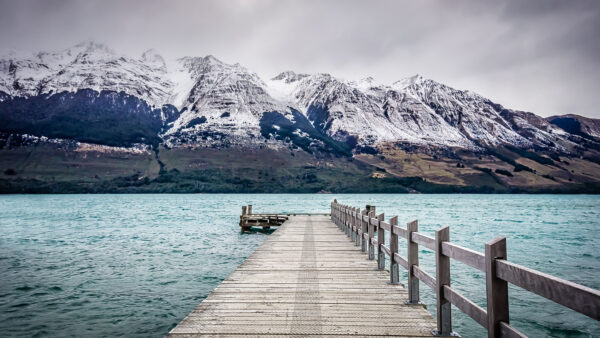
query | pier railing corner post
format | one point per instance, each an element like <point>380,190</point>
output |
<point>394,268</point>
<point>442,277</point>
<point>496,288</point>
<point>412,256</point>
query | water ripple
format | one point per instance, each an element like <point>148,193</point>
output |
<point>135,265</point>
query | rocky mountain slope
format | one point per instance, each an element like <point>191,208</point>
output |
<point>93,95</point>
<point>577,125</point>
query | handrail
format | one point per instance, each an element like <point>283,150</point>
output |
<point>574,296</point>
<point>464,255</point>
<point>367,230</point>
<point>425,241</point>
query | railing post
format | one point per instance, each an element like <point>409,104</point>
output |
<point>394,271</point>
<point>346,219</point>
<point>367,228</point>
<point>380,242</point>
<point>249,209</point>
<point>442,277</point>
<point>412,257</point>
<point>349,224</point>
<point>358,226</point>
<point>351,220</point>
<point>340,217</point>
<point>354,220</point>
<point>364,225</point>
<point>372,235</point>
<point>332,212</point>
<point>496,288</point>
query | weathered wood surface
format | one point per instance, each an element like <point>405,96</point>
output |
<point>307,279</point>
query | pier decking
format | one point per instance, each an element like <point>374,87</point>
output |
<point>307,278</point>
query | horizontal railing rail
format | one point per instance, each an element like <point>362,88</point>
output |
<point>368,231</point>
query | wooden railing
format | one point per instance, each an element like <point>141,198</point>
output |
<point>368,230</point>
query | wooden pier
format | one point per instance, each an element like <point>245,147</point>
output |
<point>309,279</point>
<point>267,220</point>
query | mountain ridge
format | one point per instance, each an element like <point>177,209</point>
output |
<point>413,110</point>
<point>90,94</point>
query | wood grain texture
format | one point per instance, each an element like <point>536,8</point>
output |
<point>425,241</point>
<point>574,296</point>
<point>465,305</point>
<point>467,256</point>
<point>496,288</point>
<point>307,279</point>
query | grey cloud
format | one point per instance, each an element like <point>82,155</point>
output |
<point>536,55</point>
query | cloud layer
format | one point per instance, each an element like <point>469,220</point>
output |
<point>540,56</point>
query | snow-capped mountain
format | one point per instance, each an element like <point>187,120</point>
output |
<point>218,103</point>
<point>204,101</point>
<point>87,66</point>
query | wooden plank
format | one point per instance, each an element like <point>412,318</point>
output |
<point>574,296</point>
<point>424,277</point>
<point>385,225</point>
<point>465,305</point>
<point>425,241</point>
<point>464,255</point>
<point>400,260</point>
<point>307,279</point>
<point>507,331</point>
<point>385,250</point>
<point>401,232</point>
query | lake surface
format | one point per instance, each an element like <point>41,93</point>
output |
<point>135,265</point>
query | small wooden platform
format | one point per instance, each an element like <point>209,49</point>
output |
<point>307,279</point>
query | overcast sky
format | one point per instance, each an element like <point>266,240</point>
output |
<point>540,56</point>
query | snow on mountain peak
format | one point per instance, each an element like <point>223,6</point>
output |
<point>409,81</point>
<point>151,57</point>
<point>289,76</point>
<point>217,98</point>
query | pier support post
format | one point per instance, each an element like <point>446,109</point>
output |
<point>496,288</point>
<point>442,277</point>
<point>380,242</point>
<point>243,220</point>
<point>249,209</point>
<point>394,269</point>
<point>412,255</point>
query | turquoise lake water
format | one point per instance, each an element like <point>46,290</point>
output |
<point>135,265</point>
